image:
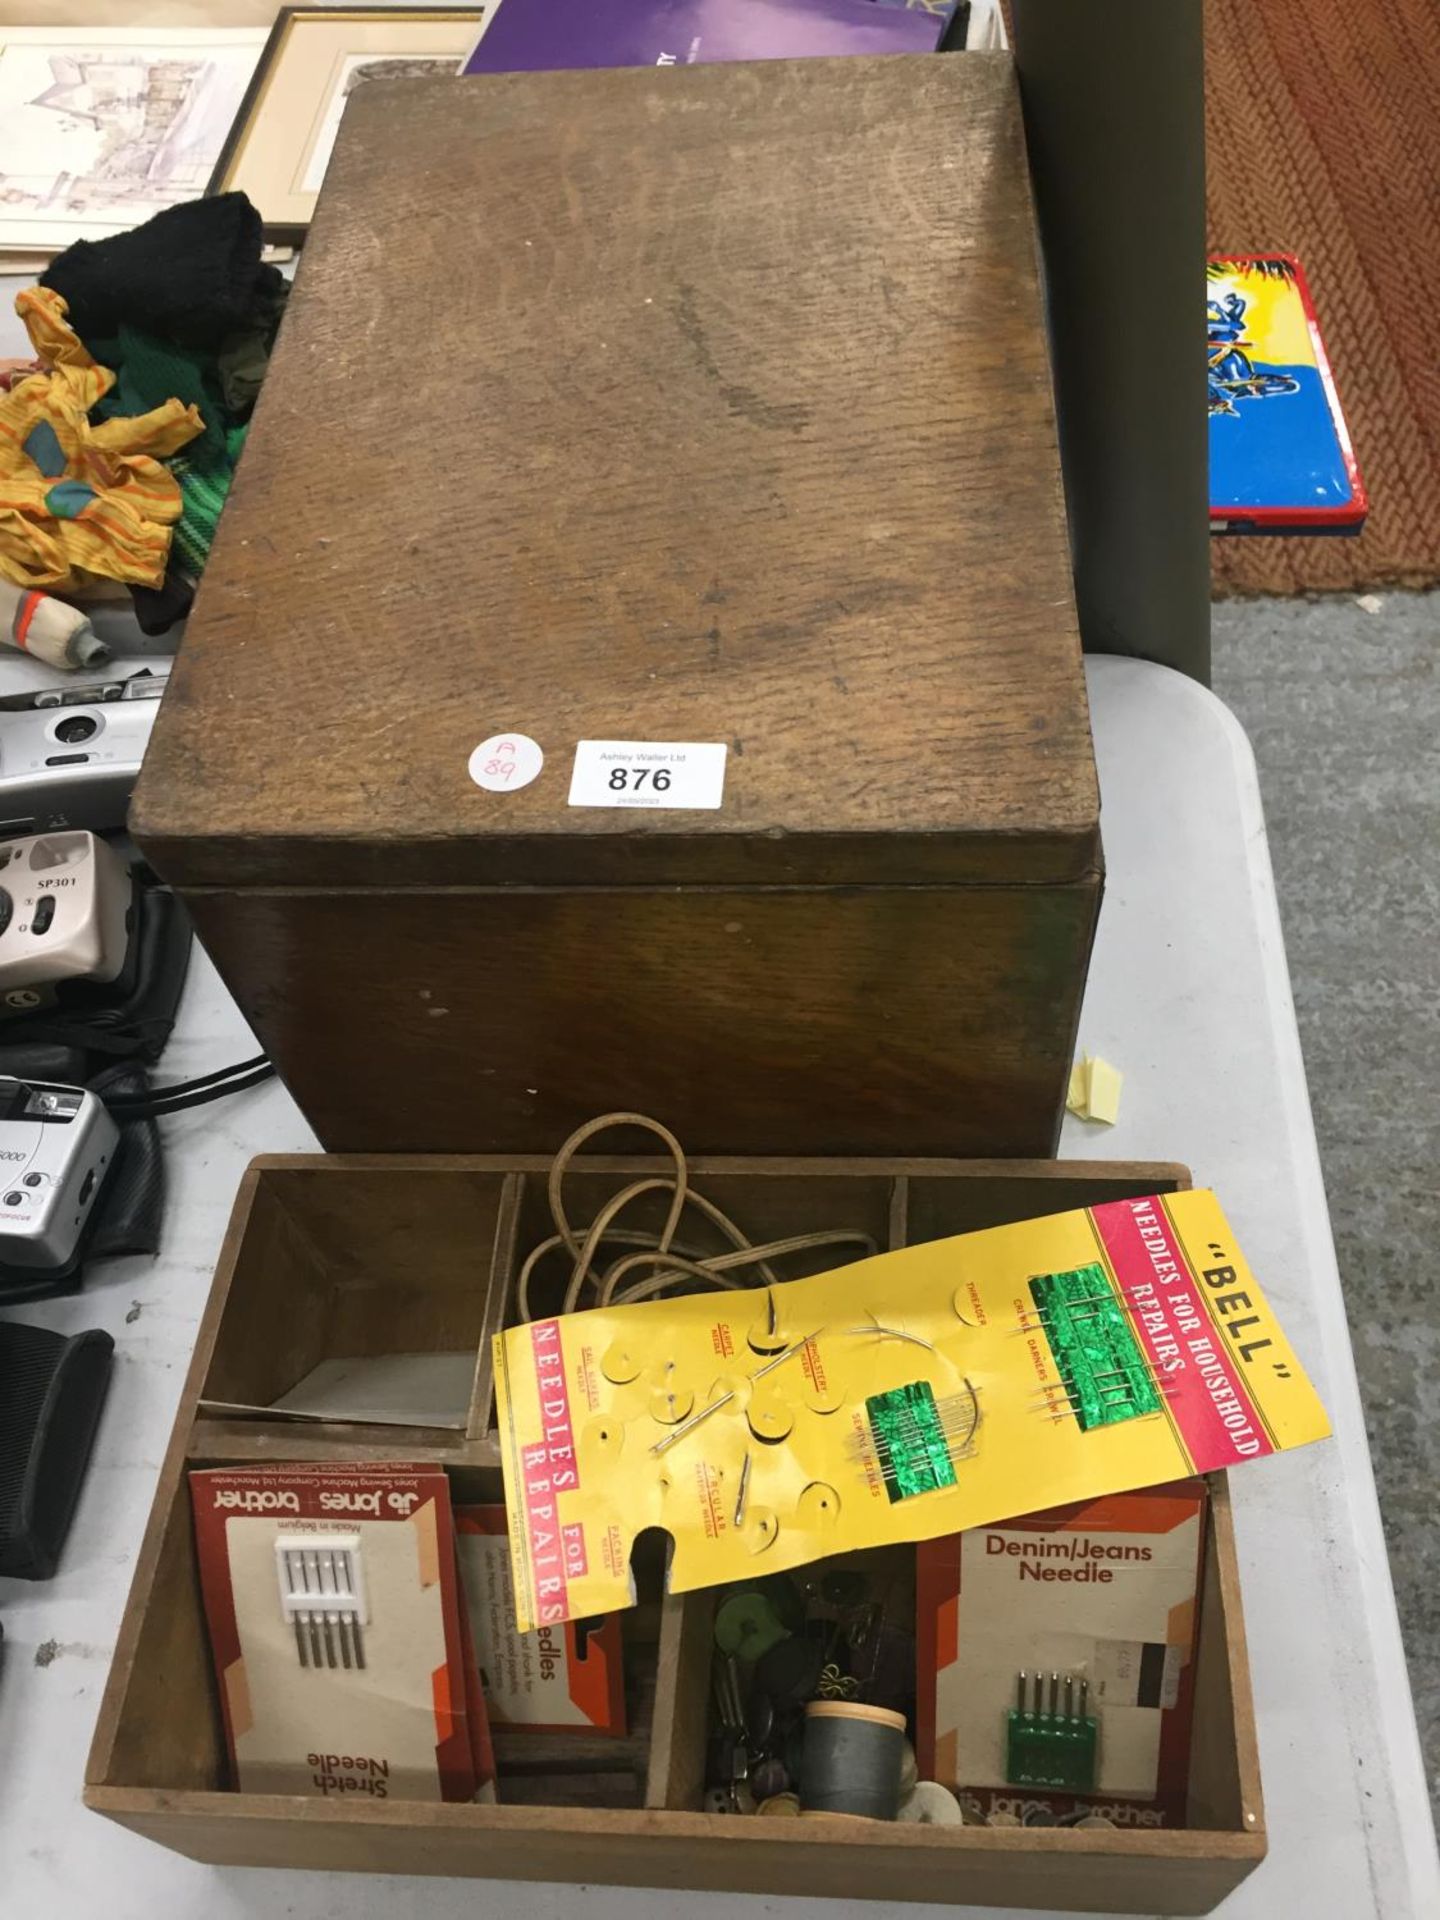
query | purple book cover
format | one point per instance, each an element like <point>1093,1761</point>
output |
<point>532,35</point>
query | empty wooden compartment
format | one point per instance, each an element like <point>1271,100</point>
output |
<point>336,1266</point>
<point>158,1763</point>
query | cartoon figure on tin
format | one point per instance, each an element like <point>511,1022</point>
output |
<point>1286,467</point>
<point>1233,375</point>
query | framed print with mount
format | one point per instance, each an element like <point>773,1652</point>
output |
<point>284,133</point>
<point>102,127</point>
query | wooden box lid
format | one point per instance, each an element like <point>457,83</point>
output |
<point>697,404</point>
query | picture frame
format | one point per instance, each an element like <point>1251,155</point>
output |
<point>103,127</point>
<point>284,132</point>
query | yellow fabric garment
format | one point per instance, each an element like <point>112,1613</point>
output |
<point>111,510</point>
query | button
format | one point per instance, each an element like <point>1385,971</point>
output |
<point>14,1199</point>
<point>34,1180</point>
<point>7,909</point>
<point>44,914</point>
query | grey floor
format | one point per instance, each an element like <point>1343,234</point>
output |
<point>1341,699</point>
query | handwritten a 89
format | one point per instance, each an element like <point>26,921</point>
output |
<point>640,779</point>
<point>506,761</point>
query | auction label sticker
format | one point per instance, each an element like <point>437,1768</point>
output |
<point>506,762</point>
<point>648,773</point>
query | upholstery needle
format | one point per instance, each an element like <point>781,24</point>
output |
<point>743,1491</point>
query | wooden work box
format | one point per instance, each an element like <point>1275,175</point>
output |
<point>330,1256</point>
<point>705,405</point>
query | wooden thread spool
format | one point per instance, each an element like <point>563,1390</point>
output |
<point>852,1759</point>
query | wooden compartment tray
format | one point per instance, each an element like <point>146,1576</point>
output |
<point>331,1256</point>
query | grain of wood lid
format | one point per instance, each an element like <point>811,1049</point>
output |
<point>783,477</point>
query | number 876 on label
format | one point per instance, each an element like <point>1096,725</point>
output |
<point>639,779</point>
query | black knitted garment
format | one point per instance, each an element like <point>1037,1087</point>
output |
<point>191,275</point>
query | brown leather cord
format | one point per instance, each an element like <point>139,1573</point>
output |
<point>717,1269</point>
<point>651,1249</point>
<point>619,1236</point>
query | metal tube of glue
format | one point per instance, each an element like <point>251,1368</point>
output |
<point>47,629</point>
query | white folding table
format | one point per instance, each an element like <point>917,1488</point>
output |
<point>1189,995</point>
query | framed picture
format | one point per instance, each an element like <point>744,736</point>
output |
<point>315,58</point>
<point>101,127</point>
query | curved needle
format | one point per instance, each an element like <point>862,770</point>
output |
<point>891,1333</point>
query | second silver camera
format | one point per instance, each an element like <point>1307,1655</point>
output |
<point>66,910</point>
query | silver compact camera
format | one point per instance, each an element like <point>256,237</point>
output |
<point>66,907</point>
<point>70,756</point>
<point>56,1146</point>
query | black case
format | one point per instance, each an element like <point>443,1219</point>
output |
<point>129,1017</point>
<point>51,1392</point>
